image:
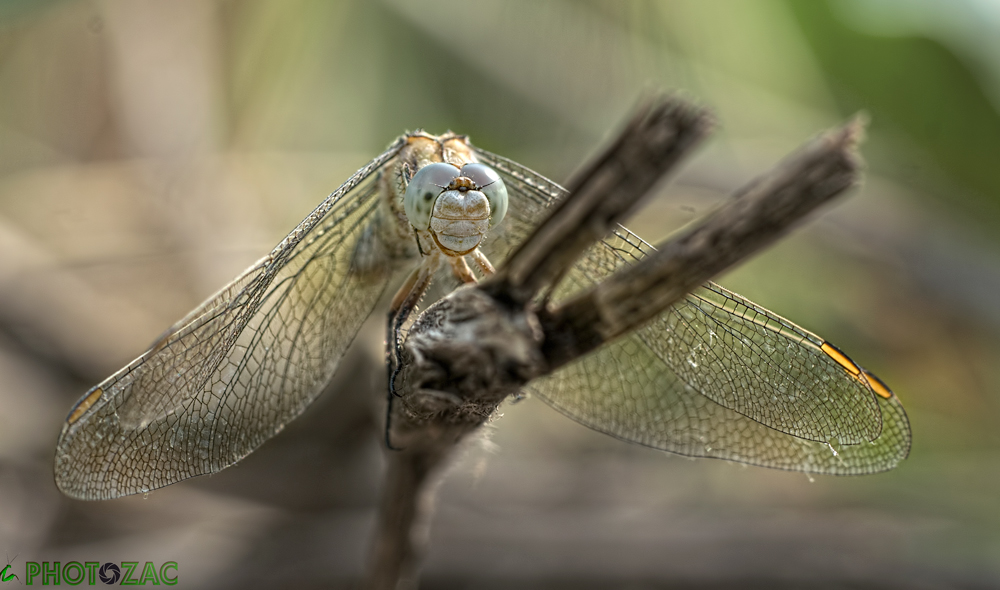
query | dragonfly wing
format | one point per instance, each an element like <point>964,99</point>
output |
<point>238,368</point>
<point>625,390</point>
<point>715,375</point>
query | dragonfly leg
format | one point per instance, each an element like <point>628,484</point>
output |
<point>403,303</point>
<point>461,269</point>
<point>483,262</point>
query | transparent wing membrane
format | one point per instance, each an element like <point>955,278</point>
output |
<point>239,367</point>
<point>713,376</point>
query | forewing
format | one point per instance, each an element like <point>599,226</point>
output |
<point>715,375</point>
<point>239,367</point>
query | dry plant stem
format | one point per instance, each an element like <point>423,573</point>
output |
<point>427,422</point>
<point>756,216</point>
<point>604,192</point>
<point>403,514</point>
<point>469,351</point>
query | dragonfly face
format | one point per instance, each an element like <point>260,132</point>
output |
<point>714,376</point>
<point>457,205</point>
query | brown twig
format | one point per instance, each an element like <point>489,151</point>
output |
<point>404,509</point>
<point>603,193</point>
<point>466,353</point>
<point>756,216</point>
<point>427,422</point>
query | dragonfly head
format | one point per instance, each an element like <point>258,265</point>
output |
<point>456,204</point>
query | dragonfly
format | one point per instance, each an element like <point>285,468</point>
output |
<point>714,376</point>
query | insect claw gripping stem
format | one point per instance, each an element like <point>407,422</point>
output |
<point>392,357</point>
<point>394,360</point>
<point>403,303</point>
<point>394,349</point>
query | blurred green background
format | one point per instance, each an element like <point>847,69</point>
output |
<point>150,150</point>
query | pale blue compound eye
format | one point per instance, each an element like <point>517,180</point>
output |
<point>424,188</point>
<point>491,185</point>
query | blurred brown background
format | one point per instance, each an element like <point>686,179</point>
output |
<point>150,150</point>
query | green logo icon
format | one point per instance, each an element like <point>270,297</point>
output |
<point>7,573</point>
